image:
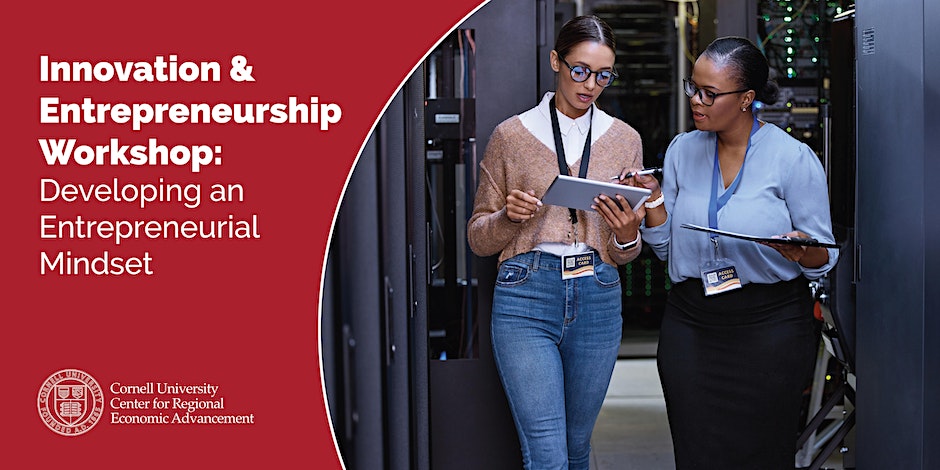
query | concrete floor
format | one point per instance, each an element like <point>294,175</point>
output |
<point>632,432</point>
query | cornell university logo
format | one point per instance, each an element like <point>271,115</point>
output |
<point>70,402</point>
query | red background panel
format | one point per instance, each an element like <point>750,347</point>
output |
<point>240,314</point>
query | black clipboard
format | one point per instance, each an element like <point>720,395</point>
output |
<point>753,238</point>
<point>579,193</point>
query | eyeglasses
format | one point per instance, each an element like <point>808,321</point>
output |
<point>707,97</point>
<point>579,73</point>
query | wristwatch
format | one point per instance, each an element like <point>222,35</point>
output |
<point>655,203</point>
<point>627,246</point>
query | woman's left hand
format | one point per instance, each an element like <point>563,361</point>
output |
<point>807,256</point>
<point>619,216</point>
<point>789,251</point>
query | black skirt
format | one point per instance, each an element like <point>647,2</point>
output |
<point>734,368</point>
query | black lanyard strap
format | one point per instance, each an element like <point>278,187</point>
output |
<point>560,149</point>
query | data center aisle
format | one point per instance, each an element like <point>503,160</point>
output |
<point>631,431</point>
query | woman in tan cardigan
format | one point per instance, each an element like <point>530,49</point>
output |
<point>556,322</point>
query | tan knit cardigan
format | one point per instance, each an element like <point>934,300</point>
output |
<point>516,159</point>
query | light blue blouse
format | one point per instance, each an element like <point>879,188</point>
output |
<point>782,188</point>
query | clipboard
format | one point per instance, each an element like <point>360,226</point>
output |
<point>579,193</point>
<point>753,238</point>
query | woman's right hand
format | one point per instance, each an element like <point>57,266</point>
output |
<point>521,206</point>
<point>644,181</point>
<point>654,216</point>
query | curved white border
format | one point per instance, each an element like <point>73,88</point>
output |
<point>336,213</point>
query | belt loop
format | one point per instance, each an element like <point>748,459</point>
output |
<point>535,260</point>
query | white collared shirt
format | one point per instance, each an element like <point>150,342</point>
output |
<point>539,123</point>
<point>573,134</point>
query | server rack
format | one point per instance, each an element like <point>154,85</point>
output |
<point>410,380</point>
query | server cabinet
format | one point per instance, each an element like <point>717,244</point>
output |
<point>898,349</point>
<point>367,308</point>
<point>470,423</point>
<point>389,302</point>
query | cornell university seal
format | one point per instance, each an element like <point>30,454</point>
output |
<point>70,402</point>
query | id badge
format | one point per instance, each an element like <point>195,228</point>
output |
<point>719,276</point>
<point>577,265</point>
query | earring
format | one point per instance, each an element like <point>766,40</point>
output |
<point>744,108</point>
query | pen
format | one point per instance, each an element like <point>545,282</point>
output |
<point>646,171</point>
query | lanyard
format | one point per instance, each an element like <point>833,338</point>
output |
<point>715,203</point>
<point>560,149</point>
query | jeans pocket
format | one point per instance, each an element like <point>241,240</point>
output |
<point>606,275</point>
<point>512,274</point>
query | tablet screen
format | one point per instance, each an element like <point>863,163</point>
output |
<point>579,193</point>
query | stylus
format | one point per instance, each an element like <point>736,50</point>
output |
<point>647,171</point>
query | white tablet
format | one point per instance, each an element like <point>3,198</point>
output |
<point>579,193</point>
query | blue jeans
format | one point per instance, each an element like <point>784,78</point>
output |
<point>555,343</point>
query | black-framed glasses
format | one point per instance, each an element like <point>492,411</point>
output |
<point>580,73</point>
<point>707,97</point>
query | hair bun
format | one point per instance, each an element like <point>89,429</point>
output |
<point>770,93</point>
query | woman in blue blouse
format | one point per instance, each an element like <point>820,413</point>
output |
<point>738,338</point>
